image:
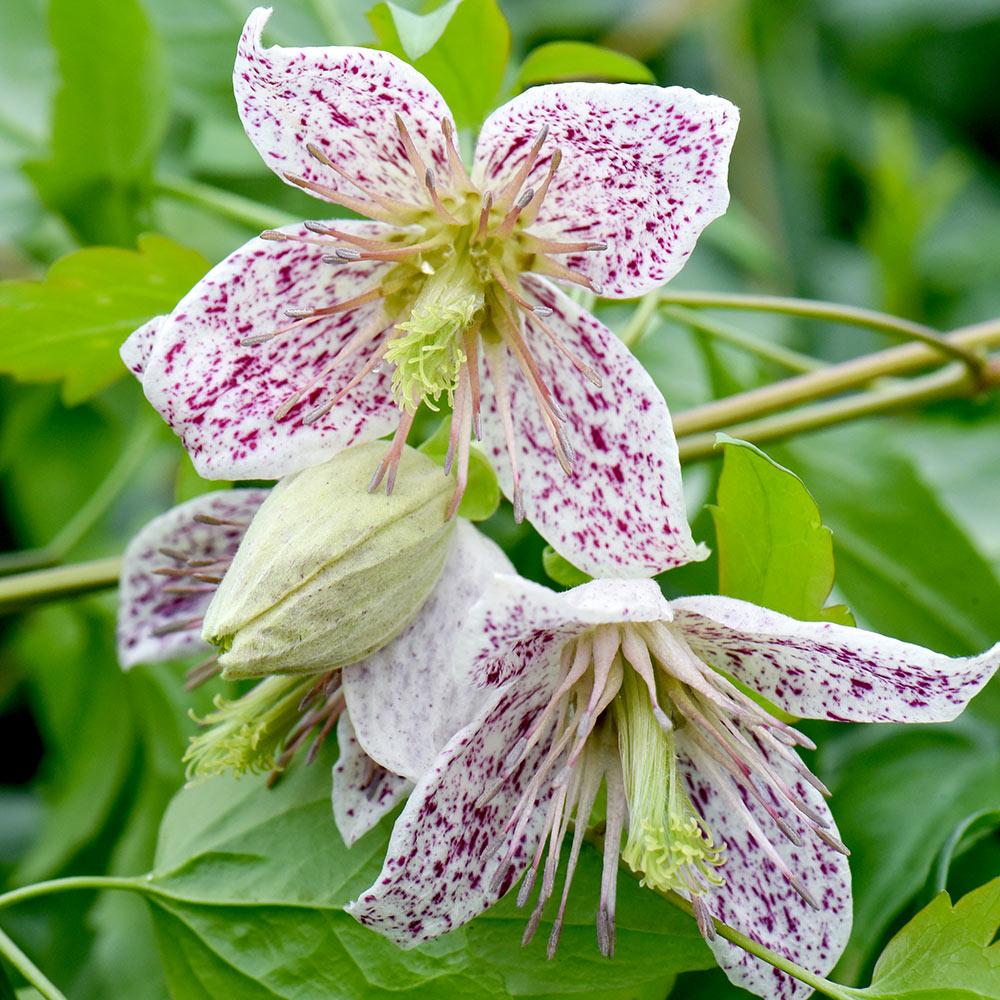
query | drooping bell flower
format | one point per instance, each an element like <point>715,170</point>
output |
<point>321,335</point>
<point>706,795</point>
<point>171,572</point>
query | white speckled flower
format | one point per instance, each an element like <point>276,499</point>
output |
<point>169,574</point>
<point>321,335</point>
<point>610,682</point>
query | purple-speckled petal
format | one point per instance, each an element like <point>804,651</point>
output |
<point>444,851</point>
<point>643,170</point>
<point>343,100</point>
<point>409,698</point>
<point>221,397</point>
<point>516,622</point>
<point>621,513</point>
<point>435,877</point>
<point>363,792</point>
<point>143,607</point>
<point>819,670</point>
<point>137,348</point>
<point>757,900</point>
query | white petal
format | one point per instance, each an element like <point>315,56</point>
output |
<point>407,699</point>
<point>137,348</point>
<point>221,396</point>
<point>343,100</point>
<point>757,899</point>
<point>437,873</point>
<point>143,605</point>
<point>820,670</point>
<point>363,792</point>
<point>643,170</point>
<point>621,513</point>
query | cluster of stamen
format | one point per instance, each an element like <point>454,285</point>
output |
<point>266,727</point>
<point>631,702</point>
<point>452,293</point>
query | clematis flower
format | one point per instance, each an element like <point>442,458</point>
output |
<point>170,572</point>
<point>321,335</point>
<point>706,794</point>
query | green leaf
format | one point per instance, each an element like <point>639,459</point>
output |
<point>557,61</point>
<point>944,952</point>
<point>109,119</point>
<point>462,48</point>
<point>966,834</point>
<point>898,792</point>
<point>482,494</point>
<point>246,895</point>
<point>562,570</point>
<point>900,556</point>
<point>70,326</point>
<point>772,546</point>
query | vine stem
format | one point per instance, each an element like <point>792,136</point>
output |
<point>28,969</point>
<point>835,312</point>
<point>748,944</point>
<point>858,372</point>
<point>134,884</point>
<point>776,353</point>
<point>13,953</point>
<point>231,206</point>
<point>948,383</point>
<point>94,508</point>
<point>22,589</point>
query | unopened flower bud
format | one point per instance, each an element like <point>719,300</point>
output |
<point>328,573</point>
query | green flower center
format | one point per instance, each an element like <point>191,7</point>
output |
<point>452,295</point>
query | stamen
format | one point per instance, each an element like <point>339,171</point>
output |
<point>510,189</point>
<point>553,269</point>
<point>459,175</point>
<point>443,212</point>
<point>506,227</point>
<point>202,672</point>
<point>541,245</point>
<point>185,625</point>
<point>508,286</point>
<point>378,209</point>
<point>530,214</point>
<point>391,461</point>
<point>397,208</point>
<point>496,358</point>
<point>209,519</point>
<point>415,160</point>
<point>471,338</point>
<point>617,810</point>
<point>703,917</point>
<point>484,220</point>
<point>361,338</point>
<point>584,369</point>
<point>463,415</point>
<point>546,404</point>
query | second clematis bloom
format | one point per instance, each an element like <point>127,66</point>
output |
<point>322,335</point>
<point>706,795</point>
<point>173,569</point>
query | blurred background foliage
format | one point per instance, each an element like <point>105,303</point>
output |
<point>865,171</point>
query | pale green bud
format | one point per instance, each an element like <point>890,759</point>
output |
<point>327,572</point>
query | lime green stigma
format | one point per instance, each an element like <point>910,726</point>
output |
<point>668,843</point>
<point>246,735</point>
<point>430,354</point>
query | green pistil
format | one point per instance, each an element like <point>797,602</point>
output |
<point>668,843</point>
<point>246,734</point>
<point>430,354</point>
